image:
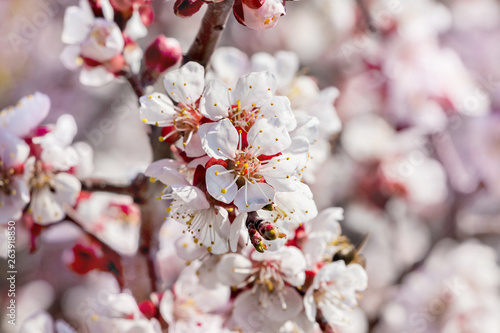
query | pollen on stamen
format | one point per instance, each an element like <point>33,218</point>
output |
<point>216,172</point>
<point>223,191</point>
<point>144,120</point>
<point>276,139</point>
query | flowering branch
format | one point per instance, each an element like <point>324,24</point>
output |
<point>208,36</point>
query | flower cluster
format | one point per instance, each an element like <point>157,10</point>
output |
<point>39,165</point>
<point>238,180</point>
<point>243,155</point>
<point>101,38</point>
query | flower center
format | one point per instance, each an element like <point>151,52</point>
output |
<point>244,118</point>
<point>41,177</point>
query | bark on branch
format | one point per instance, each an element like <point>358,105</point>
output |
<point>208,36</point>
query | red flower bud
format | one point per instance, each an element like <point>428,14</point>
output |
<point>186,8</point>
<point>160,55</point>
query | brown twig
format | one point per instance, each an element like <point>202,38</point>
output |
<point>208,36</point>
<point>136,84</point>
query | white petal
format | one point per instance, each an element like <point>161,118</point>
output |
<point>216,100</point>
<point>235,230</point>
<point>293,265</point>
<point>279,107</point>
<point>45,206</point>
<point>357,276</point>
<point>194,147</point>
<point>95,77</point>
<point>186,248</point>
<point>77,23</point>
<point>307,127</point>
<point>279,172</point>
<point>185,85</point>
<point>103,49</point>
<point>221,184</point>
<point>263,61</point>
<point>167,306</point>
<point>13,151</point>
<point>220,139</point>
<point>166,171</point>
<point>157,109</point>
<point>310,305</point>
<point>254,88</point>
<point>67,188</point>
<point>70,57</point>
<point>252,197</point>
<point>233,269</point>
<point>270,135</point>
<point>29,112</point>
<point>192,196</point>
<point>255,317</point>
<point>11,206</point>
<point>229,63</point>
<point>39,322</point>
<point>133,55</point>
<point>135,28</point>
<point>328,221</point>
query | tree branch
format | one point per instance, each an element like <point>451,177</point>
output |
<point>208,36</point>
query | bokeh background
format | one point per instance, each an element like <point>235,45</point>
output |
<point>416,165</point>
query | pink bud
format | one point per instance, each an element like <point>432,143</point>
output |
<point>258,14</point>
<point>162,54</point>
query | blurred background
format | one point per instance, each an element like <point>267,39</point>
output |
<point>416,165</point>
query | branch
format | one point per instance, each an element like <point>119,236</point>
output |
<point>135,189</point>
<point>208,36</point>
<point>136,84</point>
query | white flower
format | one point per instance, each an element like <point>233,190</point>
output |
<point>270,302</point>
<point>14,194</point>
<point>190,207</point>
<point>184,86</point>
<point>51,188</point>
<point>114,219</point>
<point>119,313</point>
<point>97,44</point>
<point>191,307</point>
<point>323,234</point>
<point>252,99</point>
<point>42,322</point>
<point>28,113</point>
<point>333,292</point>
<point>247,180</point>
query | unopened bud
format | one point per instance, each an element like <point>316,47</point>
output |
<point>257,240</point>
<point>258,14</point>
<point>160,55</point>
<point>268,230</point>
<point>186,8</point>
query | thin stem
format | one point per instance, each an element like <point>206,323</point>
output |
<point>133,189</point>
<point>208,36</point>
<point>136,84</point>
